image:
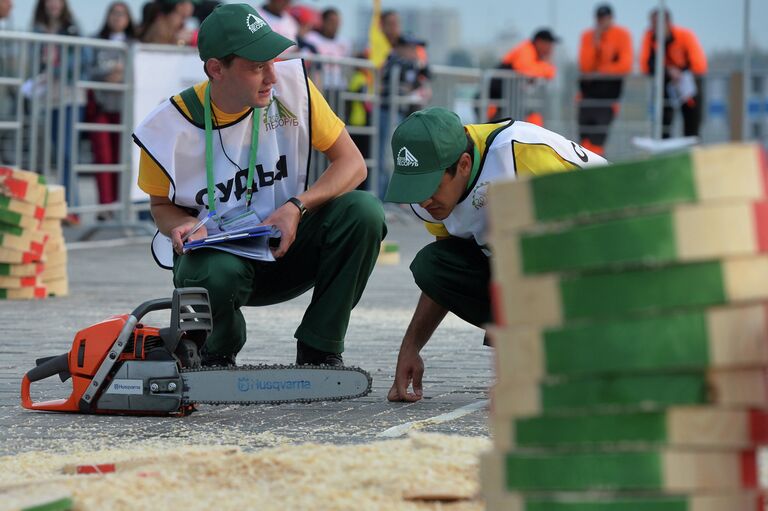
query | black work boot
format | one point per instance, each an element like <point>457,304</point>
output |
<point>214,359</point>
<point>307,355</point>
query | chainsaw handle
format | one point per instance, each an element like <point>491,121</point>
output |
<point>192,295</point>
<point>49,368</point>
<point>55,405</point>
<point>26,400</point>
<point>150,306</point>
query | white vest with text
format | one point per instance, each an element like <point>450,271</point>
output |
<point>177,145</point>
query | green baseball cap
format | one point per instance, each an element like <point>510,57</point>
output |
<point>238,29</point>
<point>424,145</point>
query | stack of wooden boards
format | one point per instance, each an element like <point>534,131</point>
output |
<point>33,256</point>
<point>632,340</point>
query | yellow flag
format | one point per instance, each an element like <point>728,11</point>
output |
<point>378,44</point>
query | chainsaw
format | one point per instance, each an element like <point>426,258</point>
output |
<point>121,366</point>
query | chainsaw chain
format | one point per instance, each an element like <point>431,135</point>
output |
<point>367,391</point>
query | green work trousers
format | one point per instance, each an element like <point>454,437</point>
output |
<point>335,251</point>
<point>456,274</point>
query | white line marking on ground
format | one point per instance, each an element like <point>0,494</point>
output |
<point>402,429</point>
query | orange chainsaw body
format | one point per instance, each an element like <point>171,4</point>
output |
<point>90,347</point>
<point>98,352</point>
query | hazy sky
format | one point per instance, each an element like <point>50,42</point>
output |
<point>718,23</point>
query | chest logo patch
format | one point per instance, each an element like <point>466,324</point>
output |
<point>276,115</point>
<point>479,197</point>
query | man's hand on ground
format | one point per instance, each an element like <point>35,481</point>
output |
<point>410,370</point>
<point>286,220</point>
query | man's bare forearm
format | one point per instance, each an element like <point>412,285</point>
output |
<point>167,216</point>
<point>346,171</point>
<point>426,318</point>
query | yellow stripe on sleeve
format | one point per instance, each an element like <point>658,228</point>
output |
<point>437,230</point>
<point>538,159</point>
<point>151,178</point>
<point>326,125</point>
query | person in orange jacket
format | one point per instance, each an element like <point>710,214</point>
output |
<point>532,59</point>
<point>605,49</point>
<point>683,56</point>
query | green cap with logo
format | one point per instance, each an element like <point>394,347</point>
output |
<point>424,145</point>
<point>238,29</point>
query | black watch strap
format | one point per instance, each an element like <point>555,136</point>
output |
<point>296,202</point>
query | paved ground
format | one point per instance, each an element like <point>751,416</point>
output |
<point>113,280</point>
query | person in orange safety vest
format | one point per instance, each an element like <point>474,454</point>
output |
<point>532,59</point>
<point>605,49</point>
<point>684,61</point>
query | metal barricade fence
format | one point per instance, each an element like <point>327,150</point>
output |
<point>47,78</point>
<point>38,93</point>
<point>466,91</point>
<point>721,110</point>
<point>633,114</point>
<point>351,87</point>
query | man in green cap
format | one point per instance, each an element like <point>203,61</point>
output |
<point>443,170</point>
<point>235,150</point>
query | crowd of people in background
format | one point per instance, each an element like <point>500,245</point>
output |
<point>606,56</point>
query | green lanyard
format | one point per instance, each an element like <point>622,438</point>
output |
<point>209,153</point>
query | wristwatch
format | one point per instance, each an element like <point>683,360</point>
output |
<point>296,202</point>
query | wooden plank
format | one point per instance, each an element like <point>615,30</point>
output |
<point>8,255</point>
<point>19,220</point>
<point>56,194</point>
<point>729,337</point>
<point>23,185</point>
<point>744,388</point>
<point>389,253</point>
<point>509,501</point>
<point>54,272</point>
<point>22,175</point>
<point>551,300</point>
<point>51,225</point>
<point>24,293</point>
<point>677,426</point>
<point>20,282</point>
<point>56,257</point>
<point>58,287</point>
<point>137,463</point>
<point>665,470</point>
<point>680,234</point>
<point>24,191</point>
<point>25,242</point>
<point>722,172</point>
<point>56,211</point>
<point>10,205</point>
<point>21,270</point>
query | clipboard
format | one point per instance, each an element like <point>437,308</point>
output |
<point>230,236</point>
